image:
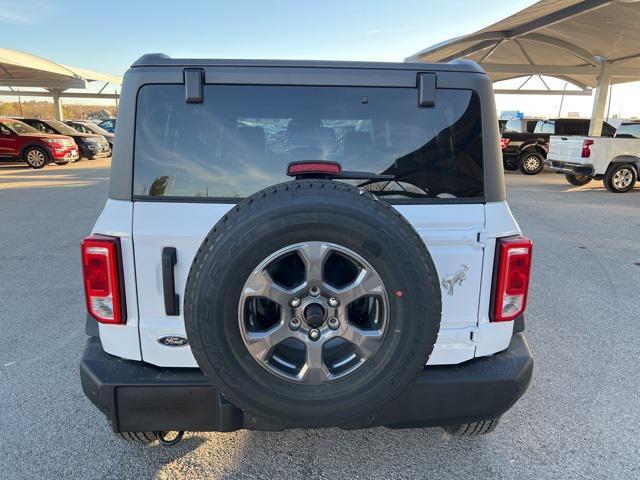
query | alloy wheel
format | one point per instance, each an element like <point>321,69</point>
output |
<point>622,178</point>
<point>35,157</point>
<point>532,163</point>
<point>313,312</point>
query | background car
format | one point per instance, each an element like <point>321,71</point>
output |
<point>525,141</point>
<point>21,142</point>
<point>109,125</point>
<point>87,126</point>
<point>91,146</point>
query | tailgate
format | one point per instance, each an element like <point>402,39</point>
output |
<point>566,149</point>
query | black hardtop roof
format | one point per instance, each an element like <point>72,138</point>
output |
<point>160,59</point>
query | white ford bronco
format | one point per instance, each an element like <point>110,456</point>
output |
<point>291,244</point>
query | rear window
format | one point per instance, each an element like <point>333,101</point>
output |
<point>514,125</point>
<point>241,139</point>
<point>545,127</point>
<point>629,130</point>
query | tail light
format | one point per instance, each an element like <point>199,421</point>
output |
<point>586,150</point>
<point>512,283</point>
<point>102,278</point>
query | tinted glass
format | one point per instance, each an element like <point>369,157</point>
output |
<point>108,125</point>
<point>20,127</point>
<point>241,139</point>
<point>90,127</point>
<point>608,130</point>
<point>545,127</point>
<point>573,128</point>
<point>514,125</point>
<point>62,128</point>
<point>629,130</point>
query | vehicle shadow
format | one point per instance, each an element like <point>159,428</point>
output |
<point>325,453</point>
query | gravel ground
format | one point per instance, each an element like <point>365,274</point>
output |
<point>579,418</point>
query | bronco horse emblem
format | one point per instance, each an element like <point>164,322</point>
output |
<point>449,281</point>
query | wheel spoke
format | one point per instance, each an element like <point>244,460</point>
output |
<point>260,344</point>
<point>366,283</point>
<point>313,255</point>
<point>314,370</point>
<point>260,284</point>
<point>366,341</point>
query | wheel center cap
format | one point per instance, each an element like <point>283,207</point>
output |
<point>314,315</point>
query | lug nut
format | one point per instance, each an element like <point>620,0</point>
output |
<point>295,302</point>
<point>314,291</point>
<point>295,323</point>
<point>334,323</point>
<point>314,334</point>
<point>333,302</point>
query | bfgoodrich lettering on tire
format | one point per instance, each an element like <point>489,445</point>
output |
<point>312,303</point>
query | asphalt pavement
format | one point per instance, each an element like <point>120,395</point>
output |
<point>579,418</point>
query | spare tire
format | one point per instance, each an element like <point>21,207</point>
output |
<point>312,303</point>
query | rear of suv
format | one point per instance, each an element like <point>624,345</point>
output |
<point>293,244</point>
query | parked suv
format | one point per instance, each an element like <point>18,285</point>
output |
<point>20,142</point>
<point>525,142</point>
<point>296,244</point>
<point>87,126</point>
<point>91,146</point>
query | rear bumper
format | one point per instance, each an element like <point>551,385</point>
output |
<point>139,397</point>
<point>570,168</point>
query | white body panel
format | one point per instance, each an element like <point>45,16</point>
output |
<point>604,151</point>
<point>457,236</point>
<point>122,340</point>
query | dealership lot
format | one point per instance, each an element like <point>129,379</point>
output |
<point>578,419</point>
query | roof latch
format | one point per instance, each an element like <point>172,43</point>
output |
<point>193,84</point>
<point>426,89</point>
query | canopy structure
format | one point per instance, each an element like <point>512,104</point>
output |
<point>19,70</point>
<point>589,43</point>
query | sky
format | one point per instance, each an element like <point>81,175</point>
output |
<point>107,36</point>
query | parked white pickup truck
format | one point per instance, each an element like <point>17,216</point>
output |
<point>615,161</point>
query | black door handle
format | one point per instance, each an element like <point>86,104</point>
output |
<point>171,298</point>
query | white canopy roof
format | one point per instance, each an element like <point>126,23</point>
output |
<point>568,39</point>
<point>20,69</point>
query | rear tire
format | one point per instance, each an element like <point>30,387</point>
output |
<point>577,180</point>
<point>531,162</point>
<point>620,177</point>
<point>311,392</point>
<point>36,157</point>
<point>472,429</point>
<point>139,437</point>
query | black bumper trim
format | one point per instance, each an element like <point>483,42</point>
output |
<point>570,168</point>
<point>140,397</point>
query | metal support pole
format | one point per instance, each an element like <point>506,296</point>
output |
<point>57,105</point>
<point>600,99</point>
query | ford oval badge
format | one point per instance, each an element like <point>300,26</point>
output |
<point>173,341</point>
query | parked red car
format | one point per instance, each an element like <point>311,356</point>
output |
<point>20,142</point>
